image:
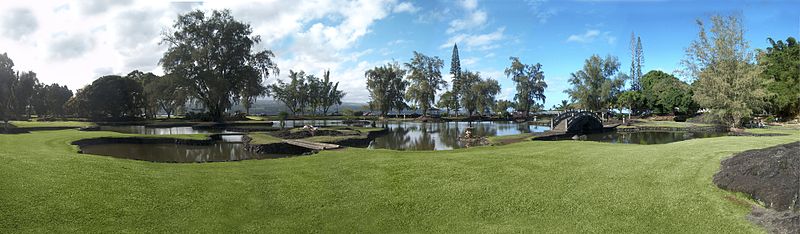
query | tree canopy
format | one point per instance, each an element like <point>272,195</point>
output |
<point>386,87</point>
<point>722,65</point>
<point>781,63</point>
<point>214,56</point>
<point>529,79</point>
<point>596,87</point>
<point>425,78</point>
<point>663,93</point>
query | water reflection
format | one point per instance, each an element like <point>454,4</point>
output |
<point>140,129</point>
<point>443,136</point>
<point>216,152</point>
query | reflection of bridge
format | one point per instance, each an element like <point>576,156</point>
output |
<point>576,121</point>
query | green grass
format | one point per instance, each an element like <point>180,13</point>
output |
<point>33,124</point>
<point>509,138</point>
<point>263,138</point>
<point>529,187</point>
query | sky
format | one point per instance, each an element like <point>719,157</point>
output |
<point>75,42</point>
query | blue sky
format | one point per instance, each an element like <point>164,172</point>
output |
<point>540,31</point>
<point>75,42</point>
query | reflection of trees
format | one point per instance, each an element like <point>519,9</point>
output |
<point>397,138</point>
<point>425,140</point>
<point>449,133</point>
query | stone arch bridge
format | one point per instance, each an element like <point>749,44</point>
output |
<point>576,121</point>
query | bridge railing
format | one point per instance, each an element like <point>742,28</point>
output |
<point>567,115</point>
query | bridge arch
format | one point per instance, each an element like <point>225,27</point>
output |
<point>576,121</point>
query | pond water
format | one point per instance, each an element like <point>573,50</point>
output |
<point>217,152</point>
<point>444,135</point>
<point>140,129</point>
<point>646,138</point>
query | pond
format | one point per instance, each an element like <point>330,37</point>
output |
<point>444,135</point>
<point>140,129</point>
<point>645,138</point>
<point>216,152</point>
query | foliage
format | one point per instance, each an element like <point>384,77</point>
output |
<point>114,97</point>
<point>290,93</point>
<point>448,102</point>
<point>167,93</point>
<point>307,92</point>
<point>386,87</point>
<point>595,87</point>
<point>150,106</point>
<point>455,71</point>
<point>530,84</point>
<point>727,79</point>
<point>564,105</point>
<point>663,93</point>
<point>50,100</point>
<point>7,80</point>
<point>502,106</point>
<point>425,78</point>
<point>213,56</point>
<point>484,93</point>
<point>21,94</point>
<point>781,63</point>
<point>637,60</point>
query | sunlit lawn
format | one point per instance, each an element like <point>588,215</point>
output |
<point>531,187</point>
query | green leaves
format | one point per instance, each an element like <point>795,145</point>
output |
<point>214,56</point>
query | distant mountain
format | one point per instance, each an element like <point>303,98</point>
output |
<point>273,107</point>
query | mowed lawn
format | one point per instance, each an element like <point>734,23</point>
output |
<point>533,187</point>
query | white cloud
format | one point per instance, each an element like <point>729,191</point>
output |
<point>591,35</point>
<point>540,12</point>
<point>469,61</point>
<point>469,4</point>
<point>18,23</point>
<point>405,7</point>
<point>477,41</point>
<point>73,43</point>
<point>474,18</point>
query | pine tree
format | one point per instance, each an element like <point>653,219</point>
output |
<point>637,60</point>
<point>455,70</point>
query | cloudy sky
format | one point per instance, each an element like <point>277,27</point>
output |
<point>74,42</point>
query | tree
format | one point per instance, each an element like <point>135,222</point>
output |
<point>632,99</point>
<point>50,100</point>
<point>386,88</point>
<point>455,70</point>
<point>447,101</point>
<point>502,106</point>
<point>593,87</point>
<point>24,90</point>
<point>727,79</point>
<point>250,92</point>
<point>469,98</point>
<point>291,94</point>
<point>426,79</point>
<point>167,93</point>
<point>7,80</point>
<point>530,83</point>
<point>487,90</point>
<point>637,60</point>
<point>663,93</point>
<point>563,106</point>
<point>114,97</point>
<point>214,57</point>
<point>327,93</point>
<point>781,64</point>
<point>149,104</point>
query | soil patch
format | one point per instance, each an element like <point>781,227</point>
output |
<point>772,177</point>
<point>288,134</point>
<point>783,222</point>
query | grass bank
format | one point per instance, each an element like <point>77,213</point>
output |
<point>532,186</point>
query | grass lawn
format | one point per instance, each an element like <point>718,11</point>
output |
<point>33,124</point>
<point>532,186</point>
